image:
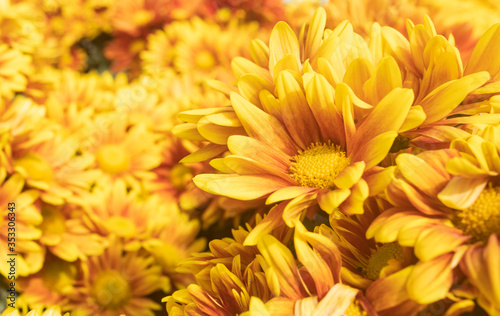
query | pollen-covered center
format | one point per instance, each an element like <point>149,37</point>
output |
<point>113,158</point>
<point>482,218</point>
<point>355,309</point>
<point>380,259</point>
<point>318,165</point>
<point>111,290</point>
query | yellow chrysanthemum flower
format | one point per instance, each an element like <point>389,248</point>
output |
<point>65,235</point>
<point>121,152</point>
<point>117,282</point>
<point>294,121</point>
<point>452,198</point>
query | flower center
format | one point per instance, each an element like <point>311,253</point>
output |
<point>121,226</point>
<point>111,290</point>
<point>53,221</point>
<point>355,309</point>
<point>180,176</point>
<point>318,165</point>
<point>205,59</point>
<point>36,167</point>
<point>482,218</point>
<point>381,258</point>
<point>113,158</point>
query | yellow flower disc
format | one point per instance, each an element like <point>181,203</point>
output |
<point>482,218</point>
<point>355,309</point>
<point>111,290</point>
<point>318,165</point>
<point>113,158</point>
<point>381,258</point>
<point>205,59</point>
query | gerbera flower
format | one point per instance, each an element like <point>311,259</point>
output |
<point>288,138</point>
<point>117,282</point>
<point>452,199</point>
<point>30,255</point>
<point>15,67</point>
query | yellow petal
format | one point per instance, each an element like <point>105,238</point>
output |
<point>215,133</point>
<point>430,281</point>
<point>205,153</point>
<point>296,113</point>
<point>386,78</point>
<point>350,175</point>
<point>283,41</point>
<point>449,239</point>
<point>259,52</point>
<point>485,53</point>
<point>354,203</point>
<point>375,150</point>
<point>287,194</point>
<point>242,66</point>
<point>461,193</point>
<point>315,33</point>
<point>416,116</point>
<point>239,187</point>
<point>331,200</point>
<point>419,173</point>
<point>297,206</point>
<point>271,221</point>
<point>187,131</point>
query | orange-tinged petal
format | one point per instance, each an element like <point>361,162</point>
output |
<point>283,41</point>
<point>336,301</point>
<point>259,52</point>
<point>386,78</point>
<point>398,47</point>
<point>193,116</point>
<point>480,263</point>
<point>442,100</point>
<point>290,64</point>
<point>228,119</point>
<point>281,261</point>
<point>320,96</point>
<point>390,291</point>
<point>247,166</point>
<point>315,265</point>
<point>239,187</point>
<point>295,111</point>
<point>461,193</point>
<point>262,126</point>
<point>259,151</point>
<point>288,193</point>
<point>485,53</point>
<point>449,238</point>
<point>430,281</point>
<point>330,200</point>
<point>419,173</point>
<point>271,221</point>
<point>297,206</point>
<point>270,104</point>
<point>392,110</point>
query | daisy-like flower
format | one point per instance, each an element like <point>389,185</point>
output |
<point>53,168</point>
<point>121,152</point>
<point>205,49</point>
<point>296,135</point>
<point>117,282</point>
<point>452,198</point>
<point>65,235</point>
<point>15,67</point>
<point>30,255</point>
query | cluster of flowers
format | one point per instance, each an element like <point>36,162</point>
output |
<point>353,155</point>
